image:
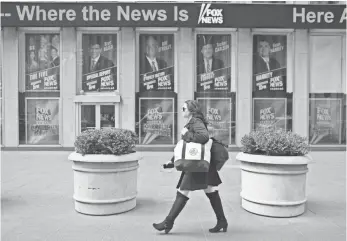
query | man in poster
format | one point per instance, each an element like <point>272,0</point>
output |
<point>151,62</point>
<point>208,63</point>
<point>55,60</point>
<point>96,61</point>
<point>263,62</point>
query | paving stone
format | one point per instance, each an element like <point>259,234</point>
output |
<point>37,204</point>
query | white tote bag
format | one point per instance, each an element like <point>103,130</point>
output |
<point>192,157</point>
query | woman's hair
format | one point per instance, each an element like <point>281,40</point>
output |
<point>194,108</point>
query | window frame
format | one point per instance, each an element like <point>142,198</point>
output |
<point>327,32</point>
<point>233,33</point>
<point>233,52</point>
<point>26,118</point>
<point>290,33</point>
<point>79,57</point>
<point>22,32</point>
<point>97,114</point>
<point>155,31</point>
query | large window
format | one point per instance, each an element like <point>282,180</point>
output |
<point>327,115</point>
<point>39,89</point>
<point>214,86</point>
<point>98,64</point>
<point>156,100</point>
<point>272,92</point>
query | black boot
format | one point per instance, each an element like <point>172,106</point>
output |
<point>216,204</point>
<point>177,207</point>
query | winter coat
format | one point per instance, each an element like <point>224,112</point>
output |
<point>198,133</point>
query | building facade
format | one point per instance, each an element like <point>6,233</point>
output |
<point>69,67</point>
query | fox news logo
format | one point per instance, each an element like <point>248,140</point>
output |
<point>208,15</point>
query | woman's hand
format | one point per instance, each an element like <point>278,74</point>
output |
<point>184,130</point>
<point>168,165</point>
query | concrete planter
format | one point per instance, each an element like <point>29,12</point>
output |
<point>104,184</point>
<point>273,186</point>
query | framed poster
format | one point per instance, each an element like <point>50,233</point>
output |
<point>156,121</point>
<point>99,68</point>
<point>218,112</point>
<point>269,63</point>
<point>42,121</point>
<point>42,58</point>
<point>156,62</point>
<point>325,121</point>
<point>270,113</point>
<point>213,62</point>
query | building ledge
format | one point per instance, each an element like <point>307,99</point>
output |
<point>97,98</point>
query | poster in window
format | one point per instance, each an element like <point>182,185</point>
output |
<point>42,121</point>
<point>217,112</point>
<point>42,58</point>
<point>213,62</point>
<point>156,62</point>
<point>156,121</point>
<point>269,63</point>
<point>325,121</point>
<point>269,113</point>
<point>99,62</point>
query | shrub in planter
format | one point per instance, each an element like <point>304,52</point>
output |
<point>105,171</point>
<point>274,143</point>
<point>106,141</point>
<point>273,172</point>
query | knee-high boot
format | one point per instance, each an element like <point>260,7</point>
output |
<point>216,204</point>
<point>177,207</point>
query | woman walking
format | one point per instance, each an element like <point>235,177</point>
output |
<point>196,131</point>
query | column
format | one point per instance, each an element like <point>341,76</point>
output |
<point>10,84</point>
<point>127,78</point>
<point>244,85</point>
<point>301,83</point>
<point>185,74</point>
<point>68,86</point>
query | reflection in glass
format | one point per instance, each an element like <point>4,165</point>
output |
<point>327,118</point>
<point>87,117</point>
<point>272,94</point>
<point>107,116</point>
<point>99,62</point>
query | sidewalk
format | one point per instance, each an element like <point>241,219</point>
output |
<point>37,204</point>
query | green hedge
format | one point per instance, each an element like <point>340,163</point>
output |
<point>106,141</point>
<point>275,143</point>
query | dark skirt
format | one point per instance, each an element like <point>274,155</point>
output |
<point>199,180</point>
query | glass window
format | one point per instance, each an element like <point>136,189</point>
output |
<point>327,115</point>
<point>98,63</point>
<point>272,99</point>
<point>156,62</point>
<point>88,117</point>
<point>42,121</point>
<point>107,116</point>
<point>39,90</point>
<point>156,121</point>
<point>214,86</point>
<point>156,100</point>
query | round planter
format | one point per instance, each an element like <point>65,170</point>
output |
<point>104,184</point>
<point>273,186</point>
